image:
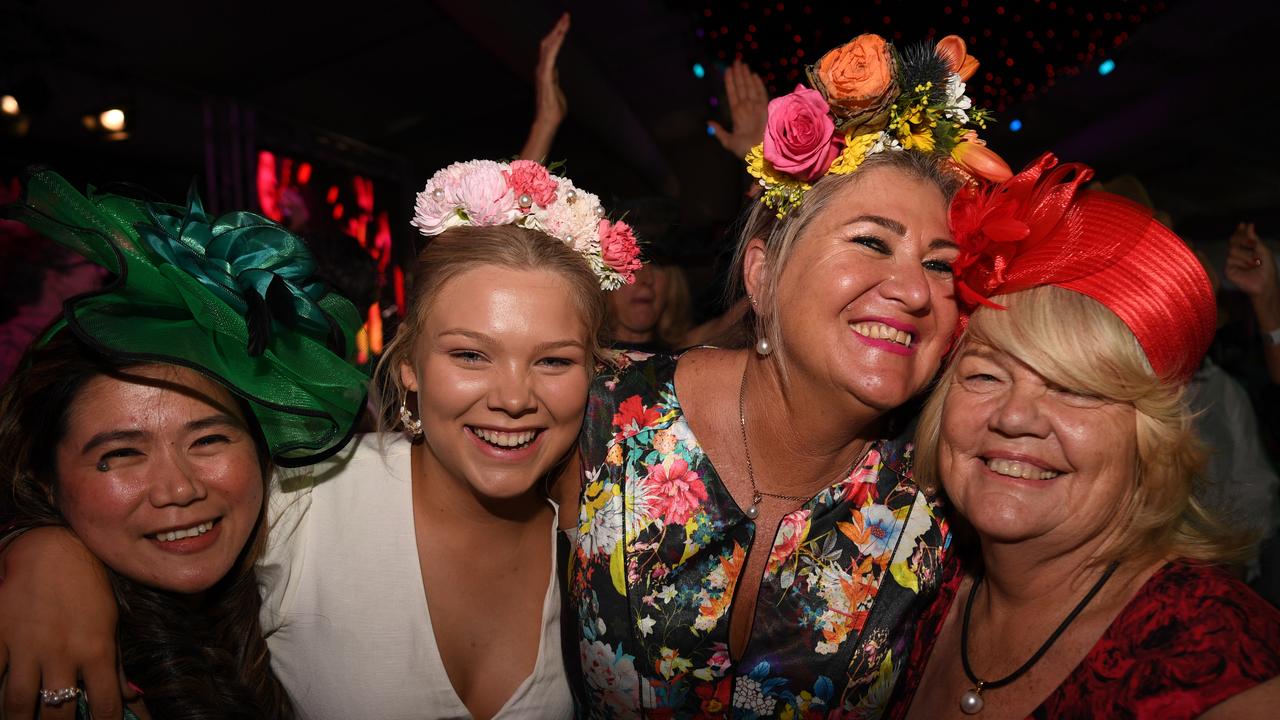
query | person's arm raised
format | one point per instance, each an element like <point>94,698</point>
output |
<point>552,106</point>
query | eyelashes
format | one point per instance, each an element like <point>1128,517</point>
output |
<point>881,247</point>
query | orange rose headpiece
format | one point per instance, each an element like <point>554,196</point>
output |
<point>1040,227</point>
<point>868,97</point>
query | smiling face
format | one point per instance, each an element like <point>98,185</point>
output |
<point>160,477</point>
<point>865,300</point>
<point>501,370</point>
<point>1025,460</point>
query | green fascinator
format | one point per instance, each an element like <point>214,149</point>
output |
<point>231,297</point>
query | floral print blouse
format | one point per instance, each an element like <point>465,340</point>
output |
<point>658,551</point>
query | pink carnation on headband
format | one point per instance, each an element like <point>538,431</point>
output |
<point>437,207</point>
<point>573,217</point>
<point>619,249</point>
<point>800,136</point>
<point>528,177</point>
<point>483,192</point>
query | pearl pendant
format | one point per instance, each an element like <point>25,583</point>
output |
<point>970,702</point>
<point>753,511</point>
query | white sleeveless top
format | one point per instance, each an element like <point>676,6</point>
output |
<point>344,609</point>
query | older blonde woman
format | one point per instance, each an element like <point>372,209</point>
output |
<point>1087,583</point>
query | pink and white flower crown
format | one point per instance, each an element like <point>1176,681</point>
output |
<point>525,194</point>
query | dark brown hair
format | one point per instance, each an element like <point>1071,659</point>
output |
<point>204,662</point>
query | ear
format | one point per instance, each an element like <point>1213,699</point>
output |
<point>755,267</point>
<point>408,377</point>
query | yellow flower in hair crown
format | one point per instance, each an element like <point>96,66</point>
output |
<point>868,97</point>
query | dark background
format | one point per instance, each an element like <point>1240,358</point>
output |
<point>397,89</point>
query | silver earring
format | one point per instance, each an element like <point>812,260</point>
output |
<point>763,347</point>
<point>411,424</point>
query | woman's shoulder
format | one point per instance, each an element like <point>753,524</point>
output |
<point>631,367</point>
<point>366,459</point>
<point>1193,637</point>
<point>1190,606</point>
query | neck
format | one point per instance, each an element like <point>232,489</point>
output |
<point>1020,575</point>
<point>622,334</point>
<point>450,500</point>
<point>794,427</point>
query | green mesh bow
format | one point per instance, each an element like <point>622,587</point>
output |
<point>232,297</point>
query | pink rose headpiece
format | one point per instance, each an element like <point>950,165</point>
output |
<point>524,193</point>
<point>867,98</point>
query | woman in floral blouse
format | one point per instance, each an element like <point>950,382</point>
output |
<point>750,541</point>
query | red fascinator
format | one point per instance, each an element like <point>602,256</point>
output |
<point>1041,227</point>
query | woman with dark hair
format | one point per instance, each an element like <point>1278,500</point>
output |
<point>147,421</point>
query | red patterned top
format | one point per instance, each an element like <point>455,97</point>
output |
<point>1191,638</point>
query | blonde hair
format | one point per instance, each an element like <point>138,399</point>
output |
<point>463,248</point>
<point>780,234</point>
<point>1075,342</point>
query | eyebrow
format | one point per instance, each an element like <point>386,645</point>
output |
<point>896,227</point>
<point>558,344</point>
<point>539,348</point>
<point>215,421</point>
<point>478,337</point>
<point>109,436</point>
<point>884,222</point>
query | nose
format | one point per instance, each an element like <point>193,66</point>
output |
<point>909,286</point>
<point>512,393</point>
<point>1019,413</point>
<point>644,276</point>
<point>175,481</point>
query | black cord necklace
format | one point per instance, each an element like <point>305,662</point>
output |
<point>971,701</point>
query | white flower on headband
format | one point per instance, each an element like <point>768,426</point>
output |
<point>524,193</point>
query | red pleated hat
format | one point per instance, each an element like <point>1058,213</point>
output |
<point>1041,227</point>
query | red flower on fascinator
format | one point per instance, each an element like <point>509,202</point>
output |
<point>1025,232</point>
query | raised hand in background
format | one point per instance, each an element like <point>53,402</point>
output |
<point>551,106</point>
<point>748,110</point>
<point>1252,268</point>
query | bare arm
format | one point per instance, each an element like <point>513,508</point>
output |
<point>1259,701</point>
<point>57,626</point>
<point>1251,267</point>
<point>552,105</point>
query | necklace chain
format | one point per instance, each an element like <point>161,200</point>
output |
<point>980,685</point>
<point>756,493</point>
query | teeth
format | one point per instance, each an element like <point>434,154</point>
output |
<point>505,439</point>
<point>192,531</point>
<point>880,331</point>
<point>1026,471</point>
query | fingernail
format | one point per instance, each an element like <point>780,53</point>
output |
<point>135,688</point>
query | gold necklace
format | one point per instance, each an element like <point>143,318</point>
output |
<point>758,495</point>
